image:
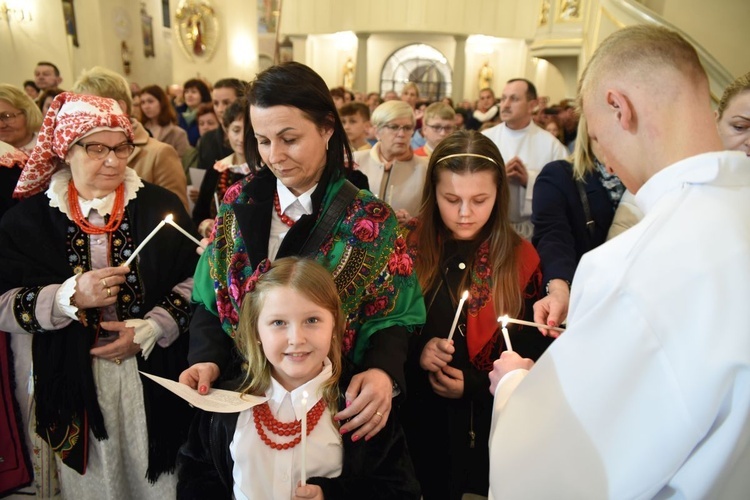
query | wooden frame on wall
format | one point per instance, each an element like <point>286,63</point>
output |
<point>69,14</point>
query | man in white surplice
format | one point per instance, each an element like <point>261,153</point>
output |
<point>647,394</point>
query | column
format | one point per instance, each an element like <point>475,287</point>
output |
<point>459,68</point>
<point>360,73</point>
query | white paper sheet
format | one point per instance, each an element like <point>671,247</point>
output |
<point>217,400</point>
<point>196,179</point>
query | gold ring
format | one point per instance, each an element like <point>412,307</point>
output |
<point>118,361</point>
<point>104,282</point>
<point>109,292</point>
<point>379,414</point>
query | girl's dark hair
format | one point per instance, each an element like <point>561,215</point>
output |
<point>234,111</point>
<point>294,84</point>
<point>167,113</point>
<point>201,86</point>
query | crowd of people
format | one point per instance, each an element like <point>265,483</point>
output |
<point>359,253</point>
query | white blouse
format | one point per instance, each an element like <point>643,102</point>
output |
<point>262,472</point>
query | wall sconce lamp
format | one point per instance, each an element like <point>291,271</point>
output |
<point>14,14</point>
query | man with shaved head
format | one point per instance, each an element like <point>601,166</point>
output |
<point>647,393</point>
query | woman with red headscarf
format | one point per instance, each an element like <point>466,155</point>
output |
<point>95,322</point>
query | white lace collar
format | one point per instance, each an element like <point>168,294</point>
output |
<point>58,193</point>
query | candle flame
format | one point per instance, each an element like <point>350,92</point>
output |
<point>504,320</point>
<point>465,295</point>
<point>168,219</point>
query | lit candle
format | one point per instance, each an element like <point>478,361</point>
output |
<point>303,443</point>
<point>170,220</point>
<point>216,202</point>
<point>143,243</point>
<point>458,313</point>
<point>528,323</point>
<point>506,337</point>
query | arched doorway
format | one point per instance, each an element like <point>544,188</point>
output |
<point>419,63</point>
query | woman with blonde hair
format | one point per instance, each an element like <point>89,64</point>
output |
<point>463,241</point>
<point>573,206</point>
<point>20,118</point>
<point>396,175</point>
<point>733,115</point>
<point>290,334</point>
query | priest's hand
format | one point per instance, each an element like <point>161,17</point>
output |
<point>99,288</point>
<point>516,171</point>
<point>509,361</point>
<point>552,310</point>
<point>122,348</point>
<point>436,354</point>
<point>448,382</point>
<point>200,376</point>
<point>308,491</point>
<point>368,404</point>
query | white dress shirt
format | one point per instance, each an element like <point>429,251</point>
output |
<point>293,207</point>
<point>262,472</point>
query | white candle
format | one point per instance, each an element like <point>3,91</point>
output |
<point>143,243</point>
<point>528,323</point>
<point>303,443</point>
<point>170,220</point>
<point>506,336</point>
<point>458,313</point>
<point>216,202</point>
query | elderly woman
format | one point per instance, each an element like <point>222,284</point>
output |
<point>300,203</point>
<point>20,118</point>
<point>733,115</point>
<point>96,322</point>
<point>395,173</point>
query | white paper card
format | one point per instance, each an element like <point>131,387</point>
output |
<point>217,400</point>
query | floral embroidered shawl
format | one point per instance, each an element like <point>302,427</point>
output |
<point>366,254</point>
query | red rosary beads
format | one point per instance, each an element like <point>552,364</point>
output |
<point>277,205</point>
<point>263,417</point>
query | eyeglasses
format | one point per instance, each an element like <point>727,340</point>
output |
<point>9,117</point>
<point>448,129</point>
<point>98,151</point>
<point>400,128</point>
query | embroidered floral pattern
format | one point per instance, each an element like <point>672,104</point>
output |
<point>358,252</point>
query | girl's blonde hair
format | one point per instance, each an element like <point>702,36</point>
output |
<point>315,283</point>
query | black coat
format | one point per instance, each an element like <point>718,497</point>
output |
<point>560,233</point>
<point>376,469</point>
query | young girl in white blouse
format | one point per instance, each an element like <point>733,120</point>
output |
<point>290,334</point>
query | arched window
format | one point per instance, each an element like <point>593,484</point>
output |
<point>419,63</point>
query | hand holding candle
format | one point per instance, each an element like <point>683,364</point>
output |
<point>458,314</point>
<point>303,443</point>
<point>506,319</point>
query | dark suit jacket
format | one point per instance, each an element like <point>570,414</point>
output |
<point>560,233</point>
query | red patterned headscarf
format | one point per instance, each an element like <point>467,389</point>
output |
<point>70,118</point>
<point>11,157</point>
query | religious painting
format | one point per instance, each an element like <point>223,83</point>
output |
<point>147,27</point>
<point>268,16</point>
<point>69,14</point>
